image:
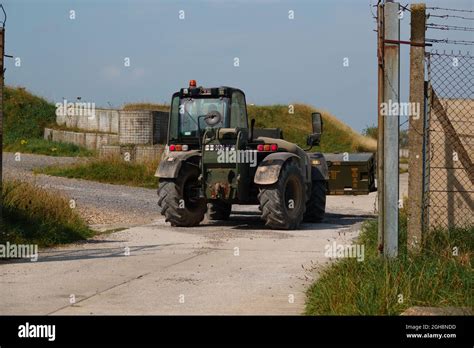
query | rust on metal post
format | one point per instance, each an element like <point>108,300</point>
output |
<point>411,43</point>
<point>380,127</point>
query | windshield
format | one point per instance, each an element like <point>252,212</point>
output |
<point>190,109</point>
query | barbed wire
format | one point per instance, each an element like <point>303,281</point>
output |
<point>405,8</point>
<point>371,7</point>
<point>450,16</point>
<point>453,42</point>
<point>4,16</point>
<point>448,27</point>
<point>449,9</point>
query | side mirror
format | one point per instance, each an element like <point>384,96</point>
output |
<point>317,122</point>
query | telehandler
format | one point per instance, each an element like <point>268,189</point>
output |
<point>214,159</point>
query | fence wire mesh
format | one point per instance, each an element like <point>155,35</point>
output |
<point>449,142</point>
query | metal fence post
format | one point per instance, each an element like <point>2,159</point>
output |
<point>380,127</point>
<point>391,128</point>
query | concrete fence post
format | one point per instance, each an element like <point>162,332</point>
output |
<point>416,129</point>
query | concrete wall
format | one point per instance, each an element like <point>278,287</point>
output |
<point>136,127</point>
<point>113,127</point>
<point>92,141</point>
<point>140,153</point>
<point>148,153</point>
<point>104,120</point>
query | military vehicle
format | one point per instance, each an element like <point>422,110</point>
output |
<point>214,159</point>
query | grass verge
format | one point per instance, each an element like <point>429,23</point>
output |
<point>376,286</point>
<point>44,147</point>
<point>33,215</point>
<point>110,170</point>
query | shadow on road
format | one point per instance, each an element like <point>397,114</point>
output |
<point>251,220</point>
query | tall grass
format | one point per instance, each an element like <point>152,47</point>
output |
<point>45,147</point>
<point>31,214</point>
<point>25,115</point>
<point>375,286</point>
<point>110,170</point>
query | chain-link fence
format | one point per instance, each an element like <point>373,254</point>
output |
<point>449,142</point>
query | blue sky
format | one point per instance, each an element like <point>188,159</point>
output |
<point>281,60</point>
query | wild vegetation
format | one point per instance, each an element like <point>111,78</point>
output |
<point>438,276</point>
<point>37,216</point>
<point>25,117</point>
<point>110,170</point>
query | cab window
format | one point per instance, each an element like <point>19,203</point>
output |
<point>238,111</point>
<point>174,118</point>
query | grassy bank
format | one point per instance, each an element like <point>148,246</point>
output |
<point>43,147</point>
<point>25,117</point>
<point>34,215</point>
<point>375,286</point>
<point>337,136</point>
<point>146,106</point>
<point>110,171</point>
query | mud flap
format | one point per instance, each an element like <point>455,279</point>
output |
<point>269,169</point>
<point>171,162</point>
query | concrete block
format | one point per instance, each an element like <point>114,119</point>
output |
<point>109,151</point>
<point>91,140</point>
<point>136,127</point>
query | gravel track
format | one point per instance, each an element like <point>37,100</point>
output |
<point>101,205</point>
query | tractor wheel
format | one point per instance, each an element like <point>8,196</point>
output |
<point>283,203</point>
<point>316,205</point>
<point>175,201</point>
<point>219,210</point>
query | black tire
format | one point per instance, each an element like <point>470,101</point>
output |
<point>173,192</point>
<point>274,199</point>
<point>219,210</point>
<point>316,205</point>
